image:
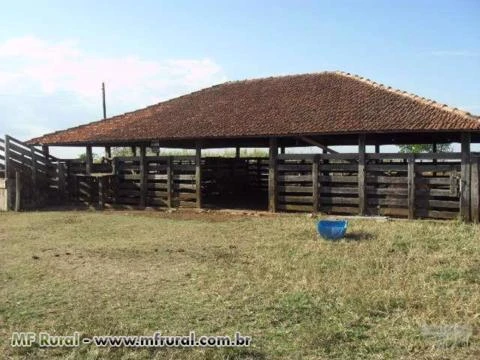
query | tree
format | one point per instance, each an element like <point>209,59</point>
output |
<point>424,148</point>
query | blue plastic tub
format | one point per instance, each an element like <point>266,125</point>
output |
<point>332,229</point>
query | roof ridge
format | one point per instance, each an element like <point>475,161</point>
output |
<point>409,95</point>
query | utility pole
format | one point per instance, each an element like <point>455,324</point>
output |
<point>104,104</point>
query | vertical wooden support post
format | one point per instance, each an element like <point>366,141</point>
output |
<point>315,183</point>
<point>134,150</point>
<point>88,160</point>
<point>282,149</point>
<point>34,176</point>
<point>362,198</point>
<point>377,149</point>
<point>237,152</point>
<point>45,151</point>
<point>18,190</point>
<point>8,181</point>
<point>108,152</point>
<point>61,181</point>
<point>465,178</point>
<point>411,187</point>
<point>143,177</point>
<point>434,151</point>
<point>198,173</point>
<point>115,180</point>
<point>475,196</point>
<point>170,181</point>
<point>272,175</point>
<point>101,192</point>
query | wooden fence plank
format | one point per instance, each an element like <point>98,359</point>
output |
<point>411,188</point>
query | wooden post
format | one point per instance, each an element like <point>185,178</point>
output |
<point>475,196</point>
<point>272,175</point>
<point>170,181</point>
<point>115,180</point>
<point>198,174</point>
<point>143,177</point>
<point>45,151</point>
<point>134,150</point>
<point>8,182</point>
<point>377,149</point>
<point>237,152</point>
<point>101,192</point>
<point>103,101</point>
<point>18,190</point>
<point>88,160</point>
<point>465,178</point>
<point>434,151</point>
<point>362,198</point>
<point>61,181</point>
<point>282,149</point>
<point>34,176</point>
<point>315,183</point>
<point>411,187</point>
<point>108,152</point>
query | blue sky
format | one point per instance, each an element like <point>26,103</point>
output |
<point>55,54</point>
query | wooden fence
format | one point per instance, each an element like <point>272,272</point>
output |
<point>403,185</point>
<point>26,172</point>
<point>438,185</point>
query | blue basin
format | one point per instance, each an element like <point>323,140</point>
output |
<point>332,229</point>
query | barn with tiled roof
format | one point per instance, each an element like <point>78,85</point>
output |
<point>280,114</point>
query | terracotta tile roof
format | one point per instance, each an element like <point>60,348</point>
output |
<point>320,103</point>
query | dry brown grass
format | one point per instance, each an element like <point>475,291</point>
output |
<point>392,290</point>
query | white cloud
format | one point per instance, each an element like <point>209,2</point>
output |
<point>29,65</point>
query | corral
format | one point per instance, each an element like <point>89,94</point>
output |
<point>324,110</point>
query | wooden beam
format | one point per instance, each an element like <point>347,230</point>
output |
<point>88,160</point>
<point>315,183</point>
<point>45,150</point>
<point>316,143</point>
<point>377,149</point>
<point>282,150</point>
<point>61,181</point>
<point>465,178</point>
<point>108,152</point>
<point>272,175</point>
<point>143,177</point>
<point>362,195</point>
<point>34,177</point>
<point>170,181</point>
<point>475,196</point>
<point>18,190</point>
<point>237,152</point>
<point>411,187</point>
<point>134,150</point>
<point>198,174</point>
<point>101,192</point>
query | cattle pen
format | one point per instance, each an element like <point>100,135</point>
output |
<point>279,114</point>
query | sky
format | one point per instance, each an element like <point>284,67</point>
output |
<point>54,55</point>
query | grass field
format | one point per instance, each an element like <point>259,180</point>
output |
<point>394,289</point>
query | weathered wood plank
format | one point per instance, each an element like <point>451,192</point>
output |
<point>295,199</point>
<point>465,178</point>
<point>272,175</point>
<point>198,174</point>
<point>143,177</point>
<point>411,188</point>
<point>362,195</point>
<point>295,189</point>
<point>338,178</point>
<point>315,184</point>
<point>88,160</point>
<point>169,184</point>
<point>475,190</point>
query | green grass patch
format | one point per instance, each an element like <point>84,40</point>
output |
<point>400,289</point>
